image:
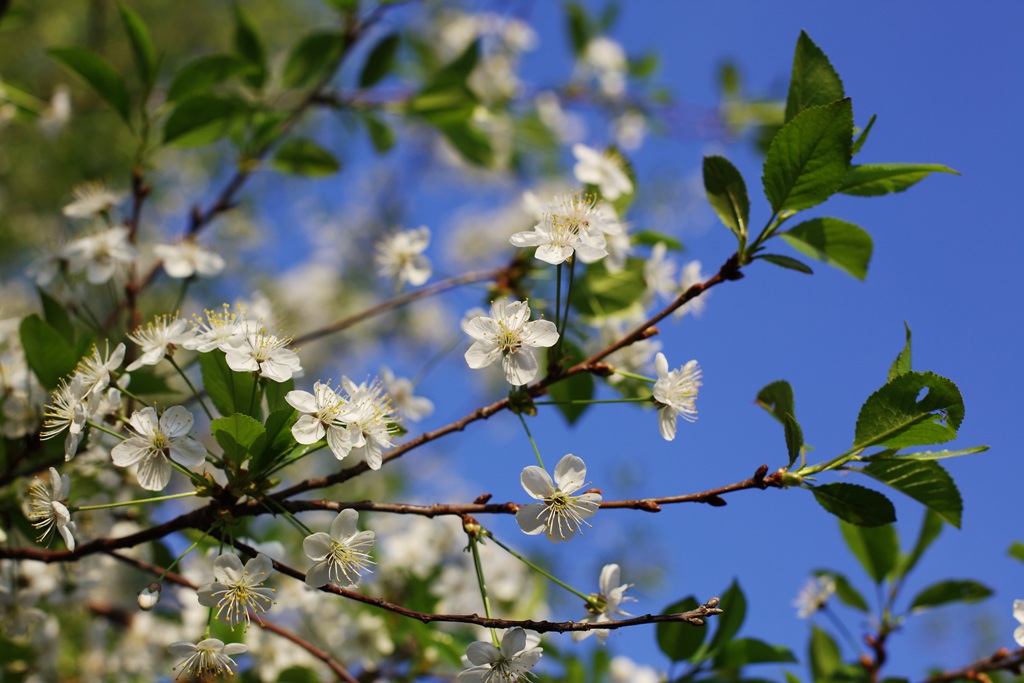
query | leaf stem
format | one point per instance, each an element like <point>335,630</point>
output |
<point>482,583</point>
<point>138,501</point>
<point>532,442</point>
<point>539,570</point>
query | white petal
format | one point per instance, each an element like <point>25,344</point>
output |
<point>570,473</point>
<point>129,451</point>
<point>154,473</point>
<point>481,354</point>
<point>482,328</point>
<point>609,578</point>
<point>340,441</point>
<point>145,421</point>
<point>302,401</point>
<point>513,641</point>
<point>540,333</point>
<point>529,518</point>
<point>667,422</point>
<point>317,546</point>
<point>537,482</point>
<point>307,429</point>
<point>520,367</point>
<point>228,568</point>
<point>259,568</point>
<point>661,365</point>
<point>188,452</point>
<point>481,653</point>
<point>318,575</point>
<point>344,525</point>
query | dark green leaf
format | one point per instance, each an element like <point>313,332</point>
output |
<point>249,46</point>
<point>313,58</point>
<point>679,640</point>
<point>474,145</point>
<point>863,137</point>
<point>901,365</point>
<point>267,127</point>
<point>838,243</point>
<point>923,480</point>
<point>145,382</point>
<point>200,75</point>
<point>201,120</point>
<point>279,439</point>
<point>380,61</point>
<point>931,526</point>
<point>381,134</point>
<point>48,353</point>
<point>600,292</point>
<point>877,548</point>
<point>304,157</point>
<point>855,504</point>
<point>728,623</point>
<point>56,314</point>
<point>871,180</point>
<point>275,394</point>
<point>581,29</point>
<point>231,392</point>
<point>808,159</point>
<point>457,70</point>
<point>948,591</point>
<point>845,591</point>
<point>728,194</point>
<point>823,654</point>
<point>794,438</point>
<point>98,74</point>
<point>240,436</point>
<point>651,237</point>
<point>814,81</point>
<point>143,49</point>
<point>578,387</point>
<point>894,417</point>
<point>744,651</point>
<point>644,66</point>
<point>787,262</point>
<point>299,674</point>
<point>1016,551</point>
<point>777,399</point>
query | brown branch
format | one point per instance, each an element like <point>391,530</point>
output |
<point>1001,660</point>
<point>309,647</point>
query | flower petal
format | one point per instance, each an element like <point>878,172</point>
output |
<point>537,482</point>
<point>529,518</point>
<point>570,473</point>
<point>176,422</point>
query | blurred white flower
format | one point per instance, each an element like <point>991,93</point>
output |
<point>676,393</point>
<point>561,514</point>
<point>660,273</point>
<point>691,276</point>
<point>46,509</point>
<point>405,403</point>
<point>186,258</point>
<point>209,657</point>
<point>101,255</point>
<point>609,599</point>
<point>92,199</point>
<point>605,59</point>
<point>605,171</point>
<point>236,590</point>
<point>622,669</point>
<point>813,595</point>
<point>149,596</point>
<point>511,664</point>
<point>341,557</point>
<point>156,440</point>
<point>507,335</point>
<point>1018,614</point>
<point>574,223</point>
<point>400,257</point>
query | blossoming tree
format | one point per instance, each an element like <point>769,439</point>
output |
<point>188,492</point>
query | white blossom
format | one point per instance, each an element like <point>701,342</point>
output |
<point>401,258</point>
<point>561,514</point>
<point>149,596</point>
<point>574,223</point>
<point>223,329</point>
<point>47,510</point>
<point>236,590</point>
<point>675,393</point>
<point>510,664</point>
<point>1018,614</point>
<point>158,338</point>
<point>92,199</point>
<point>101,255</point>
<point>67,410</point>
<point>155,441</point>
<point>95,368</point>
<point>209,657</point>
<point>320,415</point>
<point>813,595</point>
<point>367,418</point>
<point>341,557</point>
<point>605,171</point>
<point>691,276</point>
<point>509,335</point>
<point>405,403</point>
<point>186,258</point>
<point>266,354</point>
<point>609,600</point>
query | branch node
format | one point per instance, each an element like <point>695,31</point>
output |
<point>715,501</point>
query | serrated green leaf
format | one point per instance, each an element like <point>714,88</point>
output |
<point>808,159</point>
<point>678,640</point>
<point>250,48</point>
<point>923,480</point>
<point>787,262</point>
<point>876,547</point>
<point>143,49</point>
<point>744,651</point>
<point>872,180</point>
<point>599,292</point>
<point>814,81</point>
<point>312,58</point>
<point>201,120</point>
<point>576,388</point>
<point>894,417</point>
<point>380,62</point>
<point>1016,551</point>
<point>858,144</point>
<point>240,436</point>
<point>728,623</point>
<point>855,504</point>
<point>845,591</point>
<point>48,353</point>
<point>200,75</point>
<point>777,399</point>
<point>99,75</point>
<point>301,156</point>
<point>823,654</point>
<point>838,243</point>
<point>901,365</point>
<point>231,392</point>
<point>728,194</point>
<point>952,590</point>
<point>931,527</point>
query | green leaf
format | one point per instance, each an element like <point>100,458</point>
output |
<point>939,455</point>
<point>457,70</point>
<point>279,440</point>
<point>380,62</point>
<point>56,314</point>
<point>814,81</point>
<point>312,58</point>
<point>143,49</point>
<point>931,527</point>
<point>200,75</point>
<point>948,591</point>
<point>808,159</point>
<point>845,591</point>
<point>48,353</point>
<point>871,180</point>
<point>240,436</point>
<point>679,640</point>
<point>578,387</point>
<point>230,391</point>
<point>728,623</point>
<point>877,548</point>
<point>1016,551</point>
<point>823,653</point>
<point>600,292</point>
<point>473,144</point>
<point>901,365</point>
<point>787,262</point>
<point>855,504</point>
<point>863,137</point>
<point>249,46</point>
<point>777,399</point>
<point>838,243</point>
<point>649,238</point>
<point>381,134</point>
<point>728,194</point>
<point>301,156</point>
<point>744,651</point>
<point>275,395</point>
<point>201,120</point>
<point>923,480</point>
<point>580,26</point>
<point>894,417</point>
<point>98,74</point>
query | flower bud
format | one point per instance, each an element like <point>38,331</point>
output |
<point>149,596</point>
